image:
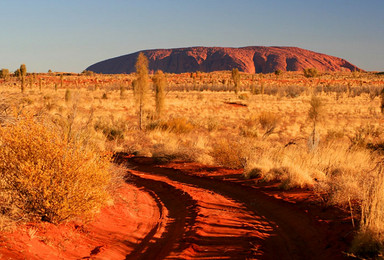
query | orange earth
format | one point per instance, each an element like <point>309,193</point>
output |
<point>184,210</point>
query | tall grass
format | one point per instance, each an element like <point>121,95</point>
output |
<point>369,240</point>
<point>201,125</point>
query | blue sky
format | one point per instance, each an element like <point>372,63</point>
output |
<point>69,35</point>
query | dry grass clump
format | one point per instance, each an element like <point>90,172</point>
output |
<point>268,122</point>
<point>47,177</point>
<point>366,135</point>
<point>288,165</point>
<point>260,125</point>
<point>369,241</point>
<point>177,125</point>
<point>335,168</point>
<point>112,129</point>
<point>166,146</point>
<point>229,153</point>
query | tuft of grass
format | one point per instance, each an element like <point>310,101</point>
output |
<point>112,129</point>
<point>68,95</point>
<point>268,122</point>
<point>177,125</point>
<point>229,153</point>
<point>369,241</point>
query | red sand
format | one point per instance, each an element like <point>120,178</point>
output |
<point>111,235</point>
<point>188,211</point>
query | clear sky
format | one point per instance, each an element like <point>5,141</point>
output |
<point>70,35</point>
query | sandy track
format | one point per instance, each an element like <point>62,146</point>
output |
<point>180,219</point>
<point>219,219</point>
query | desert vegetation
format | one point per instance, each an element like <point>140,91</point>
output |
<point>49,177</point>
<point>321,132</point>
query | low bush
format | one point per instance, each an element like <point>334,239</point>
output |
<point>177,125</point>
<point>310,72</point>
<point>47,177</point>
<point>229,153</point>
<point>112,129</point>
<point>268,122</point>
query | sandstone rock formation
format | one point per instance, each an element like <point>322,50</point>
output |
<point>257,59</point>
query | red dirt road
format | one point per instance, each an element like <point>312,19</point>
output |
<point>216,217</point>
<point>190,211</point>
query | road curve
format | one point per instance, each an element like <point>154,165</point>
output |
<point>220,219</point>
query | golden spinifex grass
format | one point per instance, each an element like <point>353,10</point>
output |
<point>370,237</point>
<point>271,128</point>
<point>48,177</point>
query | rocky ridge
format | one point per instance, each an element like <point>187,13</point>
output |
<point>256,59</point>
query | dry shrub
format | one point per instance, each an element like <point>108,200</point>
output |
<point>177,125</point>
<point>211,124</point>
<point>263,125</point>
<point>112,129</point>
<point>46,177</point>
<point>250,127</point>
<point>342,186</point>
<point>310,72</point>
<point>365,134</point>
<point>137,143</point>
<point>292,167</point>
<point>169,146</point>
<point>268,122</point>
<point>260,160</point>
<point>334,168</point>
<point>229,153</point>
<point>243,96</point>
<point>369,242</point>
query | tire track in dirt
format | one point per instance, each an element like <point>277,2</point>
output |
<point>179,220</point>
<point>276,228</point>
<point>223,228</point>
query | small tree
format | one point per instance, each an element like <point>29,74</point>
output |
<point>23,73</point>
<point>61,80</point>
<point>22,86</point>
<point>31,82</point>
<point>142,85</point>
<point>382,101</point>
<point>17,73</point>
<point>4,74</point>
<point>236,79</point>
<point>262,89</point>
<point>40,84</point>
<point>314,114</point>
<point>67,96</point>
<point>253,85</point>
<point>122,92</point>
<point>160,83</point>
<point>23,70</point>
